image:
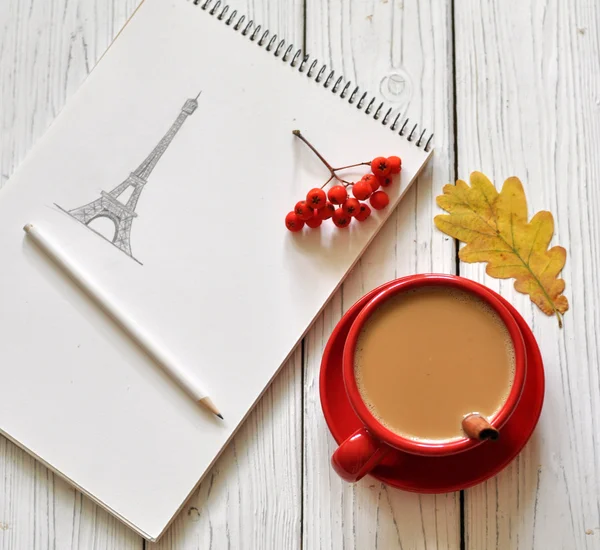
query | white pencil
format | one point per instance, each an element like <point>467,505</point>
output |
<point>133,329</point>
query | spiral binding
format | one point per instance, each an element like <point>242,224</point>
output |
<point>301,61</point>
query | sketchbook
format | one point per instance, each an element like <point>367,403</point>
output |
<point>175,202</point>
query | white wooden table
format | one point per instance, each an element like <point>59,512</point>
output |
<point>509,87</point>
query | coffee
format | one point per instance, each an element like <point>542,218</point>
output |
<point>427,357</point>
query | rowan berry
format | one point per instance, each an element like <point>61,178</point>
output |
<point>316,198</point>
<point>380,166</point>
<point>303,210</point>
<point>337,194</point>
<point>351,207</point>
<point>293,222</point>
<point>362,190</point>
<point>372,180</point>
<point>341,219</point>
<point>363,212</point>
<point>327,212</point>
<point>385,181</point>
<point>379,200</point>
<point>315,221</point>
<point>395,164</point>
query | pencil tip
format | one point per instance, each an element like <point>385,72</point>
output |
<point>207,402</point>
<point>27,228</point>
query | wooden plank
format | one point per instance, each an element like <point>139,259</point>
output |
<point>527,104</point>
<point>46,50</point>
<point>401,52</point>
<point>252,496</point>
<point>38,510</point>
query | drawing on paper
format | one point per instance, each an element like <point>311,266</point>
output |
<point>110,205</point>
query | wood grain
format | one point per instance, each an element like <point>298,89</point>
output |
<point>46,51</point>
<point>527,105</point>
<point>38,510</point>
<point>369,42</point>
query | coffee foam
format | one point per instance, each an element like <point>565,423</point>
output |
<point>460,296</point>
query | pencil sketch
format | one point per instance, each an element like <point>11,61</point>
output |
<point>121,213</point>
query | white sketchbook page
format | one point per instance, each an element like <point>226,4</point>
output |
<point>223,284</point>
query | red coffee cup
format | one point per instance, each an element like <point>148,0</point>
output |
<point>366,448</point>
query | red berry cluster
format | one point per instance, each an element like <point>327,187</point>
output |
<point>336,204</point>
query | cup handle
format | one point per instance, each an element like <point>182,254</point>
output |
<point>358,455</point>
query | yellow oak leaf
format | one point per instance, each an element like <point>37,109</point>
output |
<point>496,229</point>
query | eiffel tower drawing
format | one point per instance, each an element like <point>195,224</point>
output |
<point>121,213</point>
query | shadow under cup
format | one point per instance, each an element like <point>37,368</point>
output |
<point>364,449</point>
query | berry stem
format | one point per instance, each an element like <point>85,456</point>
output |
<point>331,169</point>
<point>330,178</point>
<point>298,134</point>
<point>352,166</point>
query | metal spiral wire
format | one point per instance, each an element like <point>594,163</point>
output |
<point>298,59</point>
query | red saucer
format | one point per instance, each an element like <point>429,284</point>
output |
<point>434,474</point>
